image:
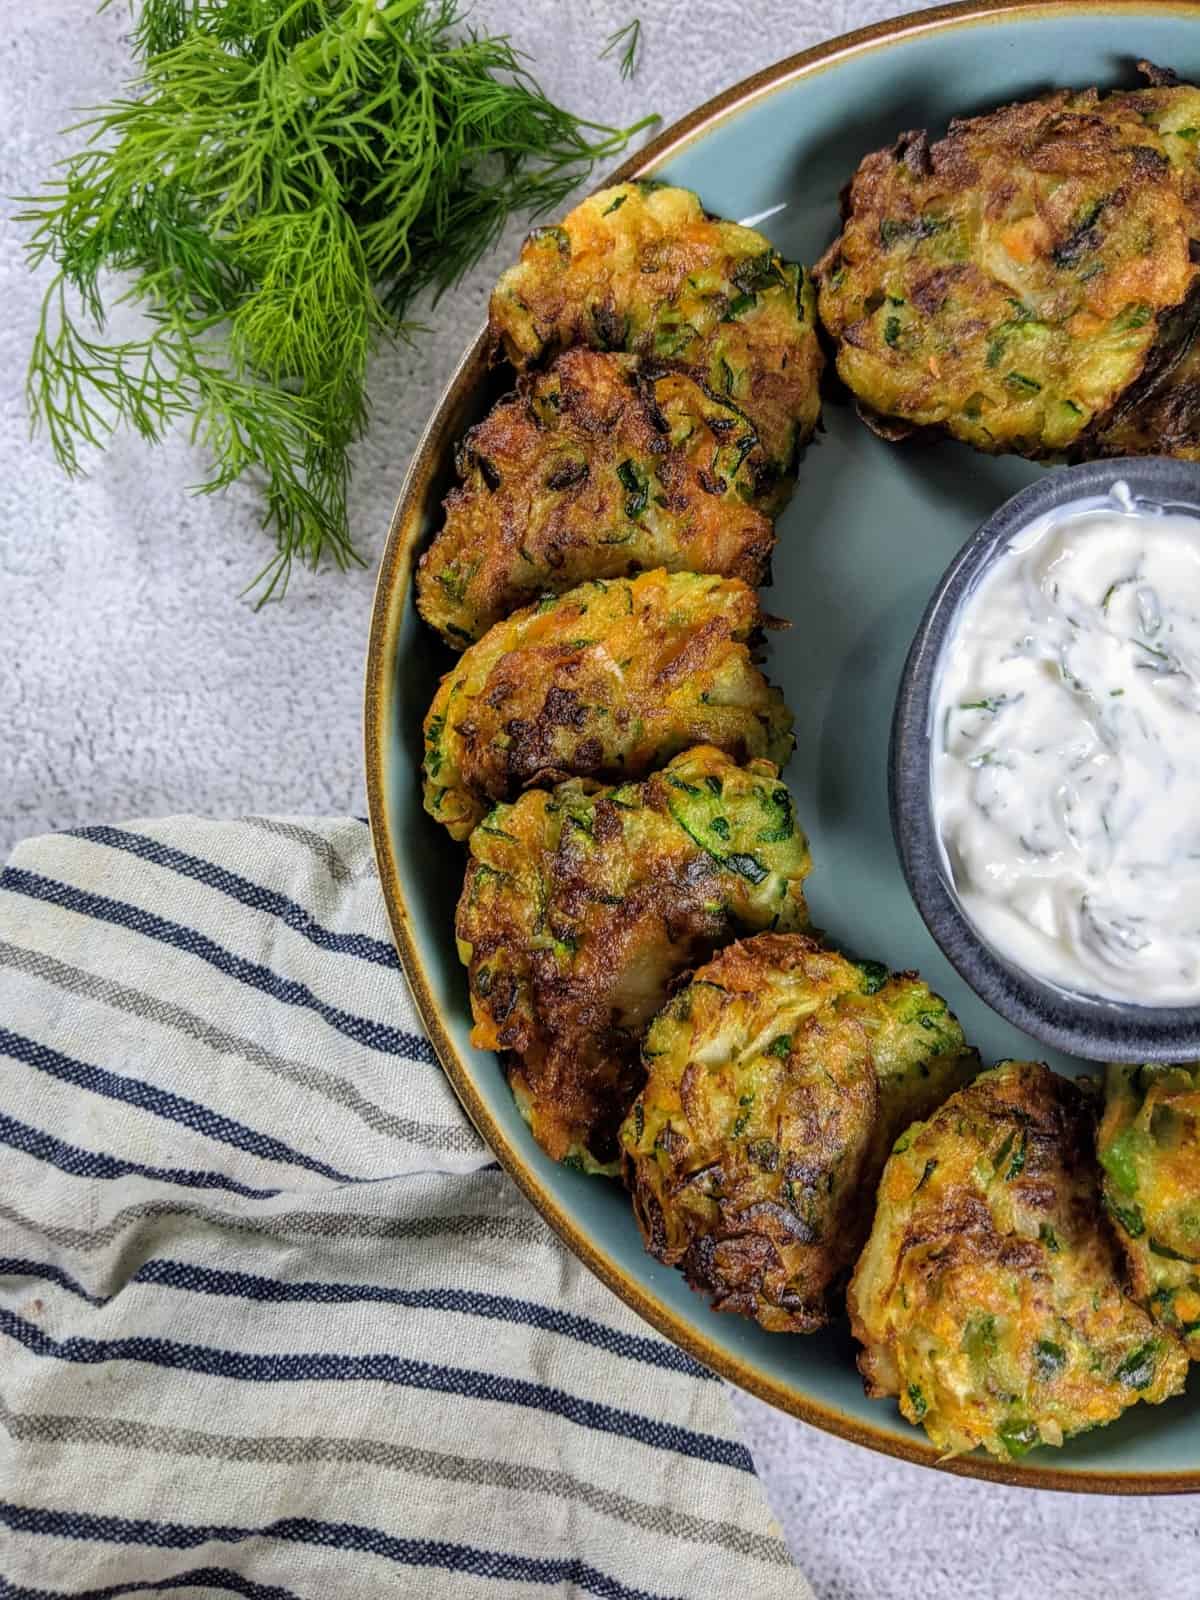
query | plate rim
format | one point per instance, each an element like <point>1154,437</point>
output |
<point>391,594</point>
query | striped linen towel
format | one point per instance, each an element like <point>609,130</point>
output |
<point>272,1322</point>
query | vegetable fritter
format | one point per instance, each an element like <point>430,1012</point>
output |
<point>1013,283</point>
<point>988,1296</point>
<point>1149,1147</point>
<point>607,681</point>
<point>641,267</point>
<point>597,468</point>
<point>777,1080</point>
<point>582,904</point>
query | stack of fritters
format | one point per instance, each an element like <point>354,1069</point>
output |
<point>642,267</point>
<point>596,566</point>
<point>599,467</point>
<point>989,1297</point>
<point>682,380</point>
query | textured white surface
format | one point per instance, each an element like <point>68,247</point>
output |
<point>133,682</point>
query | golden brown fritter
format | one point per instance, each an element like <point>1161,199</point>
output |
<point>1014,283</point>
<point>988,1296</point>
<point>776,1082</point>
<point>607,681</point>
<point>1149,1148</point>
<point>641,267</point>
<point>597,468</point>
<point>582,904</point>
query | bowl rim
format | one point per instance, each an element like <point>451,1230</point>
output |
<point>391,592</point>
<point>1089,1027</point>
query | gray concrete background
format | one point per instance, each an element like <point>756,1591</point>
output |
<point>134,681</point>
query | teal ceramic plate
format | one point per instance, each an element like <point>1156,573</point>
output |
<point>861,547</point>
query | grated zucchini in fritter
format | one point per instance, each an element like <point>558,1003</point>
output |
<point>776,1082</point>
<point>607,681</point>
<point>1020,282</point>
<point>1149,1148</point>
<point>988,1298</point>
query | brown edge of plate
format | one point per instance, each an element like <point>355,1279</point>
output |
<point>395,573</point>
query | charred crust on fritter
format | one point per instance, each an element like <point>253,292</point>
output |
<point>891,429</point>
<point>610,680</point>
<point>1159,77</point>
<point>911,150</point>
<point>651,273</point>
<point>1152,394</point>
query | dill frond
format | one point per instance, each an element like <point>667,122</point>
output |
<point>278,186</point>
<point>631,36</point>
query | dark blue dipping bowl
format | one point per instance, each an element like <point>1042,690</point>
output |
<point>1082,1025</point>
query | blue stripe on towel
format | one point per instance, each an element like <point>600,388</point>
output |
<point>243,890</point>
<point>26,1267</point>
<point>435,1553</point>
<point>196,1578</point>
<point>376,1035</point>
<point>160,1103</point>
<point>92,1164</point>
<point>332,1367</point>
<point>502,1308</point>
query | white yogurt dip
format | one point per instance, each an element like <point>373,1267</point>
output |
<point>1065,752</point>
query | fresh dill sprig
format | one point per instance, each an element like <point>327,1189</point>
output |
<point>280,184</point>
<point>631,35</point>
